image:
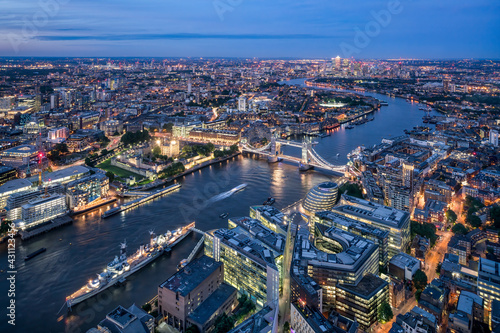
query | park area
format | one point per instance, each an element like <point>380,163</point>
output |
<point>118,172</point>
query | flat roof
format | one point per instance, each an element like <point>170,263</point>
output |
<point>404,260</point>
<point>253,240</point>
<point>366,288</point>
<point>206,309</point>
<point>63,173</point>
<point>355,249</point>
<point>375,212</point>
<point>192,275</point>
<point>121,316</point>
<point>349,223</point>
<point>15,184</point>
<point>423,313</point>
<point>5,168</point>
<point>21,149</point>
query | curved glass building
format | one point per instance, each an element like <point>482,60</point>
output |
<point>321,197</point>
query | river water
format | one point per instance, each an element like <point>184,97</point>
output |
<point>77,252</point>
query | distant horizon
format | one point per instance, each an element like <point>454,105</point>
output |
<point>243,58</point>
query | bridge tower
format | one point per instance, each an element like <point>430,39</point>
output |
<point>306,146</point>
<point>273,158</point>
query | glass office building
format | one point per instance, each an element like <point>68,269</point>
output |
<point>252,255</point>
<point>321,197</point>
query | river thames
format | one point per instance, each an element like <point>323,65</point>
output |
<point>77,252</point>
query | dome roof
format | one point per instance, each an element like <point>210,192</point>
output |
<point>321,197</point>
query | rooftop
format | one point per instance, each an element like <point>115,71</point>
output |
<point>368,286</point>
<point>22,149</point>
<point>131,320</point>
<point>62,174</point>
<point>339,219</point>
<point>191,276</point>
<point>254,240</point>
<point>121,316</point>
<point>404,260</point>
<point>258,323</point>
<point>206,309</point>
<point>375,212</point>
<point>14,185</point>
<point>42,200</point>
<point>355,249</point>
<point>425,314</point>
<point>5,168</point>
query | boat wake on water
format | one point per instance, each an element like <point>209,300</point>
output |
<point>227,194</point>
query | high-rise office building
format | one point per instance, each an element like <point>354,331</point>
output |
<point>376,235</point>
<point>338,62</point>
<point>321,197</point>
<point>408,172</point>
<point>395,221</point>
<point>242,104</point>
<point>494,137</point>
<point>252,255</point>
<point>196,295</point>
<point>7,173</point>
<point>488,281</point>
<point>43,209</point>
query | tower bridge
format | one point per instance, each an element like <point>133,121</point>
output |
<point>309,158</point>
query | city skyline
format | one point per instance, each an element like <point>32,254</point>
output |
<point>223,28</point>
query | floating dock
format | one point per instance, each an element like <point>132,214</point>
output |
<point>139,201</point>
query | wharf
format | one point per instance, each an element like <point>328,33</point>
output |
<point>44,227</point>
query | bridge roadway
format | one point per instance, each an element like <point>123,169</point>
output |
<point>316,160</point>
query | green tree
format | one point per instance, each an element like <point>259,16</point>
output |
<point>223,323</point>
<point>474,221</point>
<point>420,280</point>
<point>384,313</point>
<point>427,230</point>
<point>104,152</point>
<point>351,189</point>
<point>111,176</point>
<point>146,307</point>
<point>233,149</point>
<point>210,146</point>
<point>495,215</point>
<point>55,155</point>
<point>192,329</point>
<point>157,151</point>
<point>472,205</point>
<point>417,295</point>
<point>451,216</point>
<point>168,127</point>
<point>459,229</point>
<point>89,162</point>
<point>286,327</point>
<point>62,148</point>
<point>4,226</point>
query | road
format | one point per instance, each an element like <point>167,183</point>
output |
<point>433,258</point>
<point>284,302</point>
<point>436,254</point>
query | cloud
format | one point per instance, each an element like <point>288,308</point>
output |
<point>178,36</point>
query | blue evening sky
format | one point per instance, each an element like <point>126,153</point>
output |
<point>251,28</point>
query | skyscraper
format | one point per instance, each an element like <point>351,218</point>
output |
<point>494,137</point>
<point>242,104</point>
<point>338,61</point>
